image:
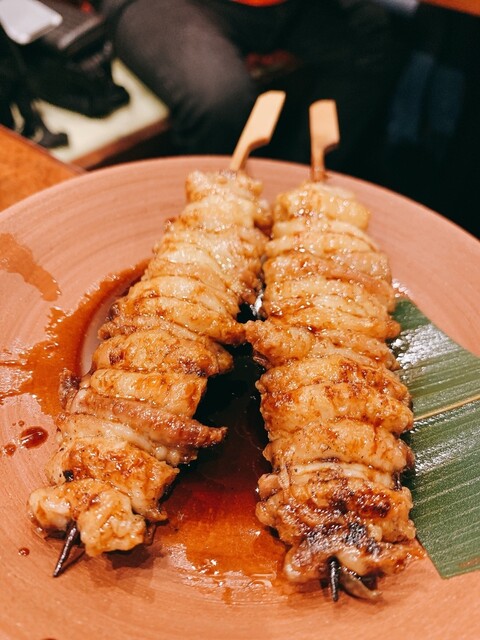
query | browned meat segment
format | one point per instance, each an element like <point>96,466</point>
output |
<point>230,190</point>
<point>177,393</point>
<point>118,326</point>
<point>332,404</point>
<point>326,275</point>
<point>104,515</point>
<point>161,266</point>
<point>229,184</point>
<point>333,368</point>
<point>83,425</point>
<point>157,350</point>
<point>129,422</point>
<point>324,401</point>
<point>354,550</point>
<point>332,308</point>
<point>197,279</point>
<point>216,212</point>
<point>328,241</point>
<point>190,314</point>
<point>237,258</point>
<point>184,287</point>
<point>162,427</point>
<point>316,290</point>
<point>315,200</point>
<point>276,342</point>
<point>345,246</point>
<point>125,466</point>
<point>289,269</point>
<point>331,491</point>
<point>341,439</point>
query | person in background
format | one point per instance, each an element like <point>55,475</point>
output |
<point>208,60</point>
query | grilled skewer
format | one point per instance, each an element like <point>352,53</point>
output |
<point>333,407</point>
<point>129,422</point>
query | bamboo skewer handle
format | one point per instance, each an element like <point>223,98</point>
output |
<point>259,127</point>
<point>324,135</point>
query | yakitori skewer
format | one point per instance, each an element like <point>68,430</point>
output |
<point>128,423</point>
<point>332,404</point>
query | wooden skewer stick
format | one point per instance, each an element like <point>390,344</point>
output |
<point>259,127</point>
<point>324,135</point>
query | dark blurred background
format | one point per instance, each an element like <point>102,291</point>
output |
<point>423,143</point>
<point>427,148</point>
<point>426,142</point>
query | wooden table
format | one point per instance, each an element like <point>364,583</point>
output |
<point>26,168</point>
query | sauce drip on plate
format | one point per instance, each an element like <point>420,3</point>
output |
<point>16,258</point>
<point>212,536</point>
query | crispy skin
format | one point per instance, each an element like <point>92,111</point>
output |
<point>190,314</point>
<point>235,258</point>
<point>303,274</point>
<point>333,304</point>
<point>128,468</point>
<point>129,422</point>
<point>315,200</point>
<point>343,440</point>
<point>177,393</point>
<point>323,492</point>
<point>230,188</point>
<point>340,243</point>
<point>324,401</point>
<point>103,514</point>
<point>165,428</point>
<point>333,368</point>
<point>332,404</point>
<point>157,350</point>
<point>276,343</point>
<point>161,265</point>
<point>184,287</point>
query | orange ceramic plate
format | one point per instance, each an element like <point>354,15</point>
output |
<point>213,572</point>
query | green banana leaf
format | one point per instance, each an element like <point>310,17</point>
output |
<point>444,380</point>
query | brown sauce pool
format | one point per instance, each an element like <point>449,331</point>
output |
<point>212,526</point>
<point>212,536</point>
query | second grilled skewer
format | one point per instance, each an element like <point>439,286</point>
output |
<point>332,404</point>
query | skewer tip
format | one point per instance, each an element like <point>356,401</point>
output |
<point>71,539</point>
<point>334,578</point>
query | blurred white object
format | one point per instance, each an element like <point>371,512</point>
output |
<point>26,20</point>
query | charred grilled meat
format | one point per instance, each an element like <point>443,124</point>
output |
<point>332,403</point>
<point>129,422</point>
